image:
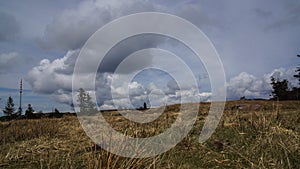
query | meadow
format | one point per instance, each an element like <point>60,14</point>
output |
<point>251,134</point>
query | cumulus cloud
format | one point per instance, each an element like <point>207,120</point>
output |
<point>9,27</point>
<point>283,73</point>
<point>252,86</point>
<point>55,79</point>
<point>135,93</point>
<point>52,77</point>
<point>8,61</point>
<point>123,95</point>
<point>247,85</point>
<point>153,95</point>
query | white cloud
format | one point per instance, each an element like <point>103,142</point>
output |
<point>251,86</point>
<point>53,77</point>
<point>283,73</point>
<point>62,96</point>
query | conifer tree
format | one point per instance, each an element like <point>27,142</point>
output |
<point>9,108</point>
<point>280,88</point>
<point>86,105</point>
<point>29,111</point>
<point>298,73</point>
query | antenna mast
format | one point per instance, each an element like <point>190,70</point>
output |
<point>20,105</point>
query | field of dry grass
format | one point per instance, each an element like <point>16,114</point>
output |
<point>266,136</point>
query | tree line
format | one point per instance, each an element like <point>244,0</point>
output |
<point>10,111</point>
<point>87,107</point>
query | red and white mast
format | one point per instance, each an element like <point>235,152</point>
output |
<point>20,106</point>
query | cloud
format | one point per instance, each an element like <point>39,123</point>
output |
<point>248,85</point>
<point>50,77</point>
<point>126,47</point>
<point>62,96</point>
<point>70,29</point>
<point>153,95</point>
<point>55,79</point>
<point>252,86</point>
<point>236,28</point>
<point>8,61</point>
<point>172,86</point>
<point>283,73</point>
<point>9,27</point>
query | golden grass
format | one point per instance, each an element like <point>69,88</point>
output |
<point>265,138</point>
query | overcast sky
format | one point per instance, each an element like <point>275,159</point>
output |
<point>40,41</point>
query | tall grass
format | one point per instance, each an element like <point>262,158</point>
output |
<point>265,138</point>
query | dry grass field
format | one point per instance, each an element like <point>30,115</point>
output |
<point>251,134</point>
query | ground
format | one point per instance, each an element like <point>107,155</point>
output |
<point>251,134</point>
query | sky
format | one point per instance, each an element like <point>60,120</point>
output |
<point>40,42</point>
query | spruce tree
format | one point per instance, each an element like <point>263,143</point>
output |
<point>9,108</point>
<point>298,73</point>
<point>91,106</point>
<point>86,105</point>
<point>82,100</point>
<point>56,111</point>
<point>280,88</point>
<point>29,111</point>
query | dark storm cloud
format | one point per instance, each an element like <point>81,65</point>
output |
<point>9,27</point>
<point>125,48</point>
<point>71,29</point>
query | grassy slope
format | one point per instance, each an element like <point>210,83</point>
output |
<point>264,138</point>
